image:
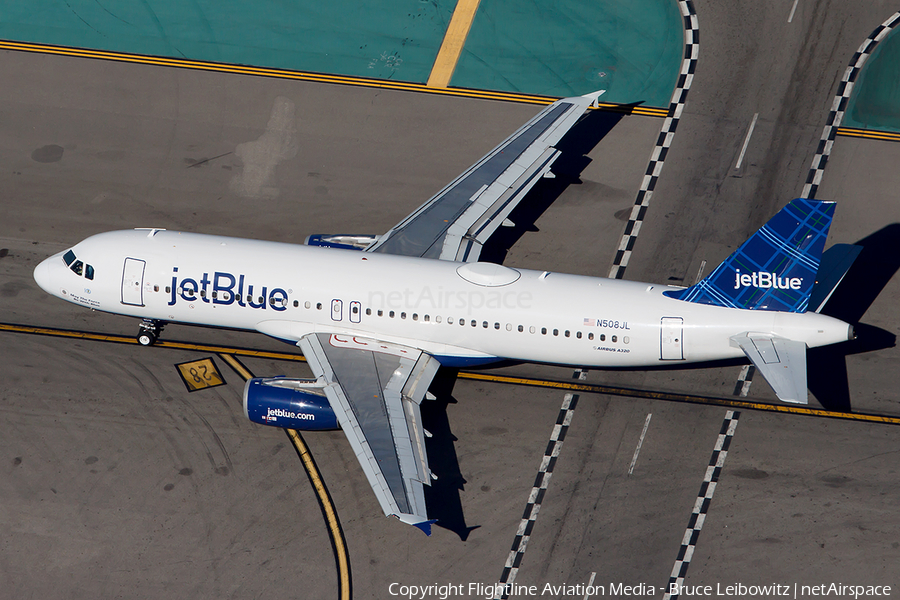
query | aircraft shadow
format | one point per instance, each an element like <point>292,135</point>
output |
<point>878,262</point>
<point>574,146</point>
<point>442,496</point>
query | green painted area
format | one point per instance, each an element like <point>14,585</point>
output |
<point>631,48</point>
<point>875,101</point>
<point>387,39</point>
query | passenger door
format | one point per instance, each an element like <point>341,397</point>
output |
<point>133,282</point>
<point>671,330</point>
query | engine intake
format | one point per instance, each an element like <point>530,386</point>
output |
<point>289,403</point>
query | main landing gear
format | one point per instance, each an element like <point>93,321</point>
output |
<point>149,331</point>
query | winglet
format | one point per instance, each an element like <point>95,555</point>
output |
<point>594,96</point>
<point>425,526</point>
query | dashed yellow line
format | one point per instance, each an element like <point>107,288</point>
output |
<point>309,76</point>
<point>334,526</point>
<point>454,40</point>
<point>871,134</point>
<point>544,383</point>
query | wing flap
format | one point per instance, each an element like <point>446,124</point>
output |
<point>781,361</point>
<point>375,389</point>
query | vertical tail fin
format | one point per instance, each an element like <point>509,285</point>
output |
<point>775,269</point>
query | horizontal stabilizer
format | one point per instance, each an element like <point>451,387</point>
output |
<point>781,361</point>
<point>836,261</point>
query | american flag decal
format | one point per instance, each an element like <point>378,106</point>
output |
<point>590,322</point>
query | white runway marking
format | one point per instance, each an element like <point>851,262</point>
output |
<point>640,443</point>
<point>746,142</point>
<point>590,583</point>
<point>793,10</point>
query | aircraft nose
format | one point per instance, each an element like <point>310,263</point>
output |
<point>42,276</point>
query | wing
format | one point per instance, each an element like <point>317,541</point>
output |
<point>375,389</point>
<point>459,219</point>
<point>781,361</point>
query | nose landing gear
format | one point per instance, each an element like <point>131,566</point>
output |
<point>149,331</point>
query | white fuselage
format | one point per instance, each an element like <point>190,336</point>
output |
<point>462,314</point>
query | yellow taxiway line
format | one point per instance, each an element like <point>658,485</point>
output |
<point>454,40</point>
<point>309,76</point>
<point>334,526</point>
<point>591,388</point>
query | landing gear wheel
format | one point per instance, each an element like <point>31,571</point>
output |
<point>146,338</point>
<point>149,332</point>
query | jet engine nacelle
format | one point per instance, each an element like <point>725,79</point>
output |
<point>289,403</point>
<point>347,242</point>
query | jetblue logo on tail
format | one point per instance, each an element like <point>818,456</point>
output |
<point>775,269</point>
<point>765,281</point>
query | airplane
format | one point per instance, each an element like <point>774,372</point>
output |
<point>376,316</point>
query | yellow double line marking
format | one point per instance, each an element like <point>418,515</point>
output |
<point>310,76</point>
<point>543,383</point>
<point>871,134</point>
<point>334,526</point>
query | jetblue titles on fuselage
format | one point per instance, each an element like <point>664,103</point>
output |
<point>225,288</point>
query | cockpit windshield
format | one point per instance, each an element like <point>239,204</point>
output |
<point>78,267</point>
